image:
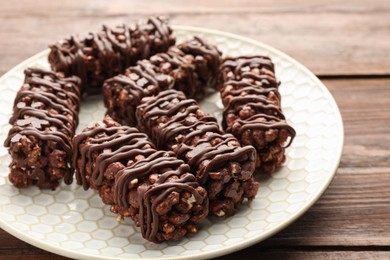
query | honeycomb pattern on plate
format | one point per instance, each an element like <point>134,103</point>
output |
<point>75,223</point>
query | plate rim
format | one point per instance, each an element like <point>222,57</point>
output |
<point>227,249</point>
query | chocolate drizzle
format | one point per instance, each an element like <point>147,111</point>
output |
<point>206,53</point>
<point>44,120</point>
<point>242,88</point>
<point>253,107</point>
<point>216,155</point>
<point>190,67</point>
<point>177,69</point>
<point>240,66</point>
<point>271,122</point>
<point>149,223</point>
<point>131,89</point>
<point>254,102</point>
<point>131,189</point>
<point>99,56</point>
<point>177,123</point>
<point>120,143</point>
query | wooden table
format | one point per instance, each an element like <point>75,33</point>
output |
<point>345,43</point>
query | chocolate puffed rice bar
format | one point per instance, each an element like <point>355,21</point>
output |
<point>253,112</point>
<point>190,67</point>
<point>152,187</point>
<point>221,165</point>
<point>99,56</point>
<point>45,116</point>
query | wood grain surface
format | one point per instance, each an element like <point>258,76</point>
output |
<point>329,37</point>
<point>346,43</point>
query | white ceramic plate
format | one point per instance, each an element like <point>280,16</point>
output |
<point>75,223</point>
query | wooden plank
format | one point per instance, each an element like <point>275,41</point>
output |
<point>289,254</point>
<point>329,37</point>
<point>12,248</point>
<point>365,110</point>
<point>250,253</point>
<point>31,254</point>
<point>133,7</point>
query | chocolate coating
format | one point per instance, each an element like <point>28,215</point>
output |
<point>43,122</point>
<point>237,68</point>
<point>123,93</point>
<point>152,187</point>
<point>191,67</point>
<point>150,196</point>
<point>218,161</point>
<point>99,56</point>
<point>127,142</point>
<point>178,69</point>
<point>207,60</point>
<point>253,110</point>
